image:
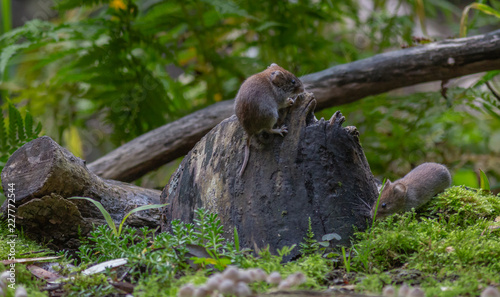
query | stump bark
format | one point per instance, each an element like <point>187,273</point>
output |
<point>41,174</point>
<point>318,171</point>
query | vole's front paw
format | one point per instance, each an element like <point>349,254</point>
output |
<point>289,102</point>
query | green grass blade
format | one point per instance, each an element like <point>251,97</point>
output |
<point>465,15</point>
<point>104,212</point>
<point>236,240</point>
<point>378,200</point>
<point>484,182</point>
<point>140,208</point>
<point>347,263</point>
<point>6,16</point>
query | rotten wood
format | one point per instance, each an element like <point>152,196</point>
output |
<point>338,85</point>
<point>42,175</point>
<point>318,171</point>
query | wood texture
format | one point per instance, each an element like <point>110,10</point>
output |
<point>44,174</point>
<point>334,86</point>
<point>318,171</point>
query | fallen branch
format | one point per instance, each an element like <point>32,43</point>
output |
<point>41,174</point>
<point>338,85</point>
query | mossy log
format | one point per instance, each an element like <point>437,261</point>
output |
<point>318,171</point>
<point>42,173</point>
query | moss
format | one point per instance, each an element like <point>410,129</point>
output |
<point>452,240</point>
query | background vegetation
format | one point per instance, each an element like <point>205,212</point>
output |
<point>104,72</point>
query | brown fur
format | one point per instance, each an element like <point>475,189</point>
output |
<point>413,190</point>
<point>259,99</point>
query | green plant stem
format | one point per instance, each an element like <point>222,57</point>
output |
<point>6,16</point>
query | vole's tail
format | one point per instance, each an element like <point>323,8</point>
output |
<point>247,154</point>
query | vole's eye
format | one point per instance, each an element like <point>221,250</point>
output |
<point>293,81</point>
<point>384,205</point>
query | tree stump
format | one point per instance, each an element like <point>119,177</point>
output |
<point>318,171</point>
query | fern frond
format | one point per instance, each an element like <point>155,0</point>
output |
<point>12,125</point>
<point>3,135</point>
<point>21,134</point>
<point>28,125</point>
<point>38,129</point>
<point>7,53</point>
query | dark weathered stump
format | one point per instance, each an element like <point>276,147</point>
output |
<point>42,168</point>
<point>317,170</point>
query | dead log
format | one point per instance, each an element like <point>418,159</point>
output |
<point>41,174</point>
<point>338,85</point>
<point>318,171</point>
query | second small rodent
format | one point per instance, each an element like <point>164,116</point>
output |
<point>413,190</point>
<point>259,99</point>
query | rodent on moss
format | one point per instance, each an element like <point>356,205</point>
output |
<point>413,190</point>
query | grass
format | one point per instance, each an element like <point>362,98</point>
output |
<point>451,247</point>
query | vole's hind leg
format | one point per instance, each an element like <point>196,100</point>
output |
<point>280,131</point>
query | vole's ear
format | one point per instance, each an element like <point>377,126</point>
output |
<point>277,77</point>
<point>273,64</point>
<point>400,189</point>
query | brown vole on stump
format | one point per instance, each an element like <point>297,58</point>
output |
<point>259,99</point>
<point>413,190</point>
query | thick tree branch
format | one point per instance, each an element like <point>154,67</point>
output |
<point>334,86</point>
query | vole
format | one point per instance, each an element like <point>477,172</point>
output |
<point>259,99</point>
<point>413,190</point>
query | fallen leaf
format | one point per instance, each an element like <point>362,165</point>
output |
<point>101,267</point>
<point>26,260</point>
<point>43,274</point>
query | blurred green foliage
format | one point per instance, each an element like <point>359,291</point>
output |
<point>104,72</point>
<point>400,132</point>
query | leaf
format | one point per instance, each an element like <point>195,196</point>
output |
<point>21,134</point>
<point>43,274</point>
<point>488,76</point>
<point>236,240</point>
<point>420,8</point>
<point>12,125</point>
<point>7,53</point>
<point>330,236</point>
<point>268,25</point>
<point>101,267</point>
<point>465,14</point>
<point>38,129</point>
<point>197,251</point>
<point>140,208</point>
<point>3,134</point>
<point>28,260</point>
<point>28,125</point>
<point>227,7</point>
<point>324,243</point>
<point>484,182</point>
<point>104,212</point>
<point>489,108</point>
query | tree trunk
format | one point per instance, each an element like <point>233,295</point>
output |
<point>318,171</point>
<point>41,174</point>
<point>334,86</point>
